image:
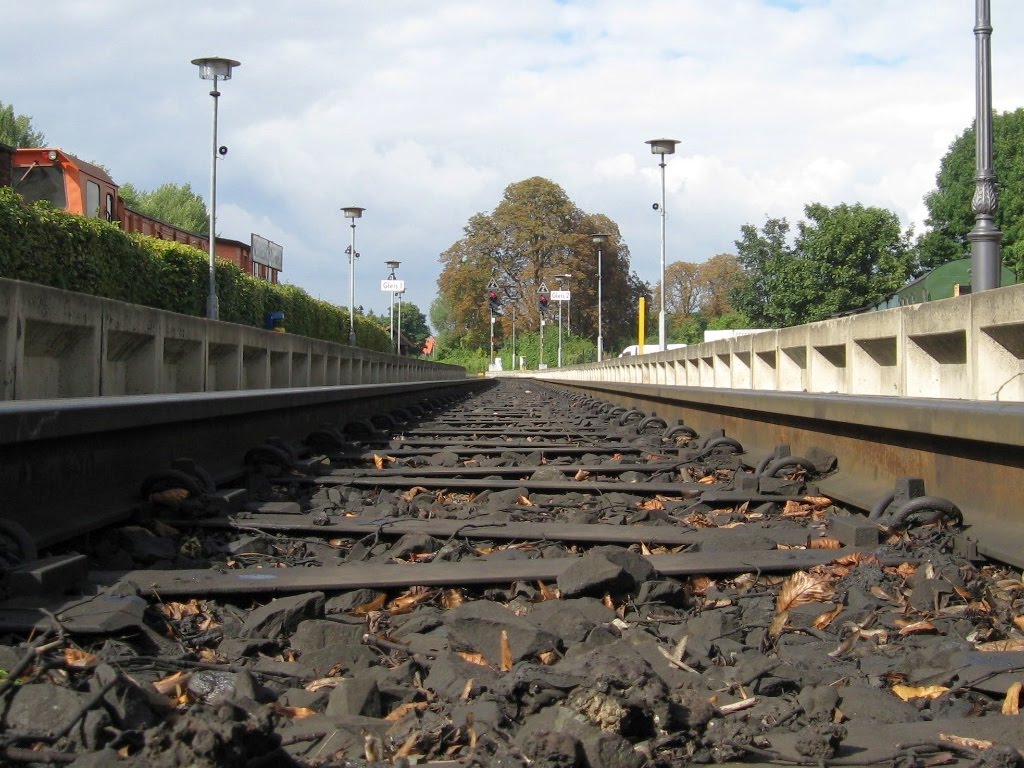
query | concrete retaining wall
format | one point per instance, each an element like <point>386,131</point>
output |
<point>56,344</point>
<point>969,347</point>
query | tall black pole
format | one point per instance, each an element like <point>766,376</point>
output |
<point>985,238</point>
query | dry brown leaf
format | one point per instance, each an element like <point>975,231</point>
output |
<point>172,685</point>
<point>707,480</point>
<point>413,492</point>
<point>908,692</point>
<point>906,570</point>
<point>506,652</point>
<point>881,594</point>
<point>471,463</point>
<point>296,713</point>
<point>818,501</point>
<point>1018,622</point>
<point>524,501</point>
<point>914,627</point>
<point>547,658</point>
<point>474,658</point>
<point>404,709</point>
<point>1011,704</point>
<point>996,646</point>
<point>467,690</point>
<point>857,558</point>
<point>452,598</point>
<point>651,504</point>
<point>409,600</point>
<point>171,497</point>
<point>77,659</point>
<point>802,588</point>
<point>324,682</point>
<point>546,592</point>
<point>778,624</point>
<point>581,475</point>
<point>378,461</point>
<point>825,619</point>
<point>824,543</point>
<point>374,605</point>
<point>965,741</point>
<point>160,528</point>
<point>796,509</point>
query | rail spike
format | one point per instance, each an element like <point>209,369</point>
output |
<point>908,505</point>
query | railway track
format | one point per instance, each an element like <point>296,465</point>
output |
<point>496,574</point>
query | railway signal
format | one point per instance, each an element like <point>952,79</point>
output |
<point>543,297</point>
<point>493,301</point>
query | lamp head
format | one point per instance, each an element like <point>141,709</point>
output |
<point>215,68</point>
<point>662,146</point>
<point>600,238</point>
<point>353,212</point>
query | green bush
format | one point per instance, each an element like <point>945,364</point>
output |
<point>42,244</point>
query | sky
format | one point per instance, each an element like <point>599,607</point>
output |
<point>424,111</point>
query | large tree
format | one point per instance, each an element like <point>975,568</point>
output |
<point>534,233</point>
<point>843,258</point>
<point>704,289</point>
<point>950,215</point>
<point>16,130</point>
<point>177,205</point>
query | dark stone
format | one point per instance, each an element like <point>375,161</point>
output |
<point>355,696</point>
<point>282,615</point>
<point>129,704</point>
<point>146,547</point>
<point>477,626</point>
<point>563,618</point>
<point>861,704</point>
<point>605,570</point>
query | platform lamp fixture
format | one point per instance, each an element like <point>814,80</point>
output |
<point>559,279</point>
<point>353,213</point>
<point>214,68</point>
<point>599,238</point>
<point>392,266</point>
<point>662,147</point>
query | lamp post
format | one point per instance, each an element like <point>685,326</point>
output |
<point>662,147</point>
<point>398,325</point>
<point>392,265</point>
<point>599,239</point>
<point>985,238</point>
<point>559,279</point>
<point>214,68</point>
<point>353,213</point>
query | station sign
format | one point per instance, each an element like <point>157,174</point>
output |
<point>561,295</point>
<point>392,286</point>
<point>266,252</point>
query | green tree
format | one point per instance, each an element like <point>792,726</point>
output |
<point>414,323</point>
<point>950,215</point>
<point>16,130</point>
<point>177,205</point>
<point>534,233</point>
<point>843,258</point>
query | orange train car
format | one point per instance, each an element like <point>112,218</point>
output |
<point>87,190</point>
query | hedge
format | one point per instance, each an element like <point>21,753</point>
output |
<point>43,244</point>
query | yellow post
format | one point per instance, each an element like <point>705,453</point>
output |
<point>642,321</point>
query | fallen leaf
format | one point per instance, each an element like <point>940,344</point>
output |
<point>1018,622</point>
<point>374,605</point>
<point>474,658</point>
<point>409,600</point>
<point>778,624</point>
<point>707,480</point>
<point>547,658</point>
<point>467,690</point>
<point>825,619</point>
<point>452,598</point>
<point>524,501</point>
<point>171,497</point>
<point>324,682</point>
<point>581,475</point>
<point>1011,704</point>
<point>546,592</point>
<point>296,713</point>
<point>818,501</point>
<point>378,461</point>
<point>915,626</point>
<point>802,588</point>
<point>410,706</point>
<point>506,652</point>
<point>881,594</point>
<point>413,492</point>
<point>908,692</point>
<point>77,659</point>
<point>996,646</point>
<point>965,741</point>
<point>172,685</point>
<point>824,543</point>
<point>795,509</point>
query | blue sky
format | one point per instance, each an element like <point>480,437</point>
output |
<point>424,112</point>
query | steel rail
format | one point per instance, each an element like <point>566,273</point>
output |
<point>969,452</point>
<point>68,467</point>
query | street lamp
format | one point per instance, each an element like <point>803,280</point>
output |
<point>398,326</point>
<point>599,239</point>
<point>214,68</point>
<point>559,279</point>
<point>985,238</point>
<point>353,213</point>
<point>662,147</point>
<point>392,265</point>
